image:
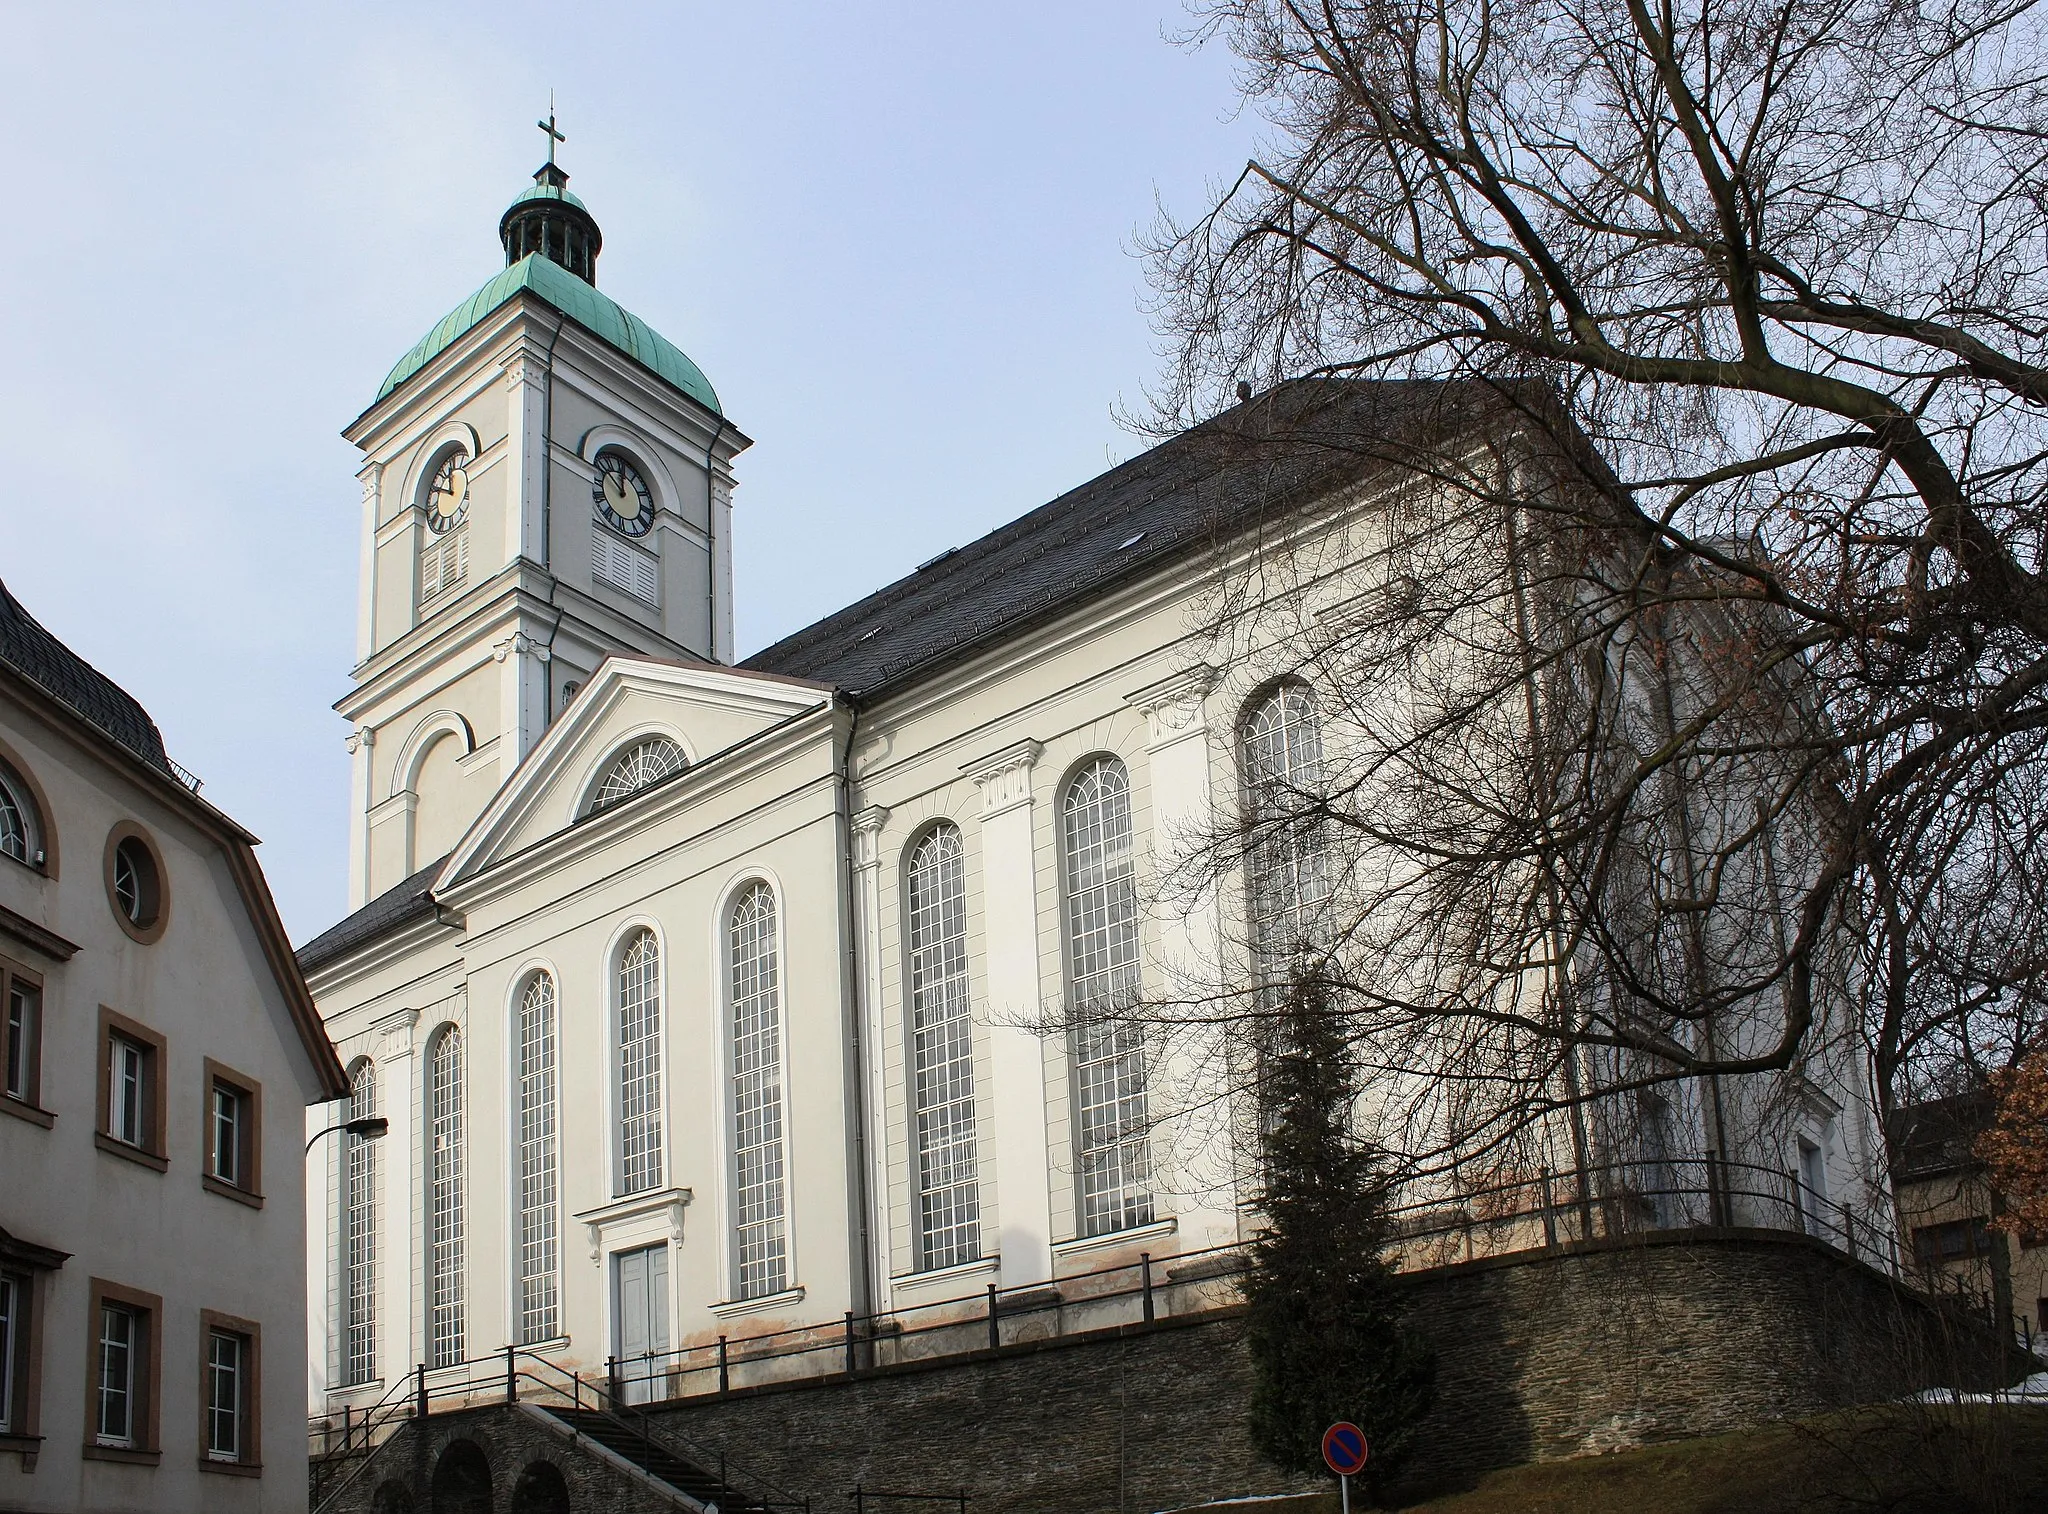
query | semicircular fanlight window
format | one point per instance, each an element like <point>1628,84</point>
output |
<point>643,763</point>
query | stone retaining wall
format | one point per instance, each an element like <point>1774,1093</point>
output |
<point>1541,1356</point>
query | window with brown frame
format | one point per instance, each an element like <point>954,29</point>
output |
<point>123,1374</point>
<point>131,1102</point>
<point>230,1368</point>
<point>22,1268</point>
<point>136,885</point>
<point>21,1053</point>
<point>233,1121</point>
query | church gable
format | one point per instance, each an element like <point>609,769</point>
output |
<point>636,724</point>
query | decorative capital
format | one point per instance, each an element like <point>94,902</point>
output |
<point>372,475</point>
<point>1005,778</point>
<point>523,371</point>
<point>361,739</point>
<point>1172,707</point>
<point>519,644</point>
<point>394,1034</point>
<point>867,835</point>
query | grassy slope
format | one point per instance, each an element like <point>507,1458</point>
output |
<point>1895,1460</point>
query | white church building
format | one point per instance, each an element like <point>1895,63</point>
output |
<point>707,997</point>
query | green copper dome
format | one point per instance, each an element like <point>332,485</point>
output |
<point>596,313</point>
<point>551,192</point>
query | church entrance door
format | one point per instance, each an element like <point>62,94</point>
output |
<point>640,1321</point>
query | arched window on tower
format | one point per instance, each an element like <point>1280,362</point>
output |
<point>359,1235</point>
<point>445,1196</point>
<point>1281,772</point>
<point>639,766</point>
<point>760,1231</point>
<point>539,1224</point>
<point>942,1052</point>
<point>639,1153</point>
<point>1112,1155</point>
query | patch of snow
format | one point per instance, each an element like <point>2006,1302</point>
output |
<point>2032,1390</point>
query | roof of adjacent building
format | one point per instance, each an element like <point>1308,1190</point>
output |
<point>1210,484</point>
<point>1938,1136</point>
<point>398,905</point>
<point>596,312</point>
<point>31,651</point>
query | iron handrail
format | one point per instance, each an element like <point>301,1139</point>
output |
<point>1616,1199</point>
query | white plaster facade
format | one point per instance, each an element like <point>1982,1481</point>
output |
<point>210,990</point>
<point>822,799</point>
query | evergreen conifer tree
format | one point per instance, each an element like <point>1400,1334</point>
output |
<point>1323,1317</point>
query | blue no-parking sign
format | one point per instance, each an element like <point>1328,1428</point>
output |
<point>1344,1449</point>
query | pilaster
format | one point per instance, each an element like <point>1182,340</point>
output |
<point>867,925</point>
<point>525,462</point>
<point>1194,1164</point>
<point>1010,949</point>
<point>523,686</point>
<point>371,476</point>
<point>361,745</point>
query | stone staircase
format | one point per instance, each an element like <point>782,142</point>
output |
<point>661,1460</point>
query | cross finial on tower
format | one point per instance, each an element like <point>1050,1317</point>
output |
<point>548,126</point>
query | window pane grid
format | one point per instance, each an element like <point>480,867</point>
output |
<point>1113,1156</point>
<point>1283,767</point>
<point>445,1199</point>
<point>117,1376</point>
<point>224,1396</point>
<point>640,1065</point>
<point>359,1237</point>
<point>13,828</point>
<point>760,1240</point>
<point>124,1095</point>
<point>942,1035</point>
<point>539,1306</point>
<point>22,1004</point>
<point>227,1134</point>
<point>11,1296</point>
<point>644,763</point>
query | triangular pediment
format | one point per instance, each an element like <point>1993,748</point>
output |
<point>706,711</point>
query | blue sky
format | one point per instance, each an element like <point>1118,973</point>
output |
<point>898,237</point>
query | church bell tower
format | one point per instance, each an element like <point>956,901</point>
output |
<point>546,481</point>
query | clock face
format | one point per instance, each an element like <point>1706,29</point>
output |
<point>621,496</point>
<point>447,499</point>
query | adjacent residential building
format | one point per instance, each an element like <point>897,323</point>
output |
<point>1947,1207</point>
<point>160,1047</point>
<point>710,1000</point>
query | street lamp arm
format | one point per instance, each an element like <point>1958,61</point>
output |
<point>369,1127</point>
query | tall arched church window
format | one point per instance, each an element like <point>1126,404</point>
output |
<point>21,831</point>
<point>1281,767</point>
<point>641,764</point>
<point>539,1224</point>
<point>760,1231</point>
<point>942,1052</point>
<point>1113,1158</point>
<point>445,1179</point>
<point>640,1064</point>
<point>359,1235</point>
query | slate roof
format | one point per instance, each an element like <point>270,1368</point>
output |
<point>1260,459</point>
<point>1210,483</point>
<point>398,905</point>
<point>1937,1136</point>
<point>39,657</point>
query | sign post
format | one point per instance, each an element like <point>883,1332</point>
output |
<point>1345,1453</point>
